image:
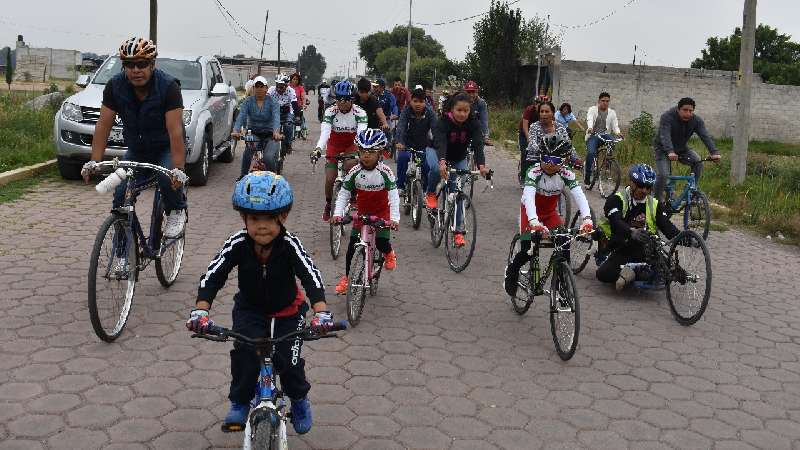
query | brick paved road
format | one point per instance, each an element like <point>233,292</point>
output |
<point>439,360</point>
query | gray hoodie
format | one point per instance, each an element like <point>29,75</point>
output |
<point>673,133</point>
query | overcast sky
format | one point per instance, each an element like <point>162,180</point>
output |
<point>667,32</point>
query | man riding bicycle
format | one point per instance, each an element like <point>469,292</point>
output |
<point>630,215</point>
<point>260,114</point>
<point>150,105</point>
<point>675,128</point>
<point>388,104</point>
<point>479,110</point>
<point>600,122</point>
<point>287,101</point>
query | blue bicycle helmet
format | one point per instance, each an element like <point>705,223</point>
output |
<point>371,138</point>
<point>643,175</point>
<point>262,193</point>
<point>344,89</point>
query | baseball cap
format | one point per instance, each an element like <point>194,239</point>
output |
<point>381,82</point>
<point>471,86</point>
<point>260,79</point>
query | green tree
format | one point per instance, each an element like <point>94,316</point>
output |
<point>9,69</point>
<point>776,57</point>
<point>391,62</point>
<point>373,44</point>
<point>311,65</point>
<point>498,40</point>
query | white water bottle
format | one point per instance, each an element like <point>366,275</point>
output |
<point>111,182</point>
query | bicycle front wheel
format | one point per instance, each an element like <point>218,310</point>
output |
<point>581,247</point>
<point>689,285</point>
<point>565,313</point>
<point>438,220</point>
<point>113,270</point>
<point>459,253</point>
<point>697,214</point>
<point>168,264</point>
<point>356,286</point>
<point>264,436</point>
<point>416,198</point>
<point>336,230</point>
<point>608,175</point>
<point>521,302</point>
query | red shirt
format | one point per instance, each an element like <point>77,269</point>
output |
<point>531,114</point>
<point>402,96</point>
<point>300,92</point>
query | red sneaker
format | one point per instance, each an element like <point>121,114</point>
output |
<point>390,261</point>
<point>430,200</point>
<point>459,240</point>
<point>341,286</point>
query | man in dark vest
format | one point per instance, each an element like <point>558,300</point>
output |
<point>150,105</point>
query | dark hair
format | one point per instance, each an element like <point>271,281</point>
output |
<point>604,94</point>
<point>565,105</point>
<point>397,79</point>
<point>418,94</point>
<point>453,99</point>
<point>686,101</point>
<point>550,104</point>
<point>364,85</point>
<point>296,75</point>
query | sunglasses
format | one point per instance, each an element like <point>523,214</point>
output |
<point>344,99</point>
<point>554,160</point>
<point>642,186</point>
<point>137,64</point>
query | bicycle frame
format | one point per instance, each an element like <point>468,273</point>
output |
<point>690,187</point>
<point>369,228</point>
<point>557,256</point>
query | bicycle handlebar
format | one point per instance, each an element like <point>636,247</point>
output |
<point>222,334</point>
<point>614,140</point>
<point>117,164</point>
<point>374,221</point>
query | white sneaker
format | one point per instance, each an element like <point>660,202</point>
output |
<point>626,276</point>
<point>176,221</point>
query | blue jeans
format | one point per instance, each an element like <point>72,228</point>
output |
<point>269,150</point>
<point>403,157</point>
<point>173,199</point>
<point>591,153</point>
<point>287,125</point>
<point>434,178</point>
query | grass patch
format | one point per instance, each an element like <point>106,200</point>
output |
<point>16,189</point>
<point>26,136</point>
<point>768,200</point>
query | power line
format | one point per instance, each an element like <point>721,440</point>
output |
<point>460,20</point>
<point>597,20</point>
<point>230,25</point>
<point>219,3</point>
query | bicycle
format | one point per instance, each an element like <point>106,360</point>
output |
<point>564,302</point>
<point>582,245</point>
<point>414,199</point>
<point>606,172</point>
<point>365,267</point>
<point>691,201</point>
<point>121,251</point>
<point>337,230</point>
<point>266,423</point>
<point>451,203</point>
<point>255,142</point>
<point>300,129</point>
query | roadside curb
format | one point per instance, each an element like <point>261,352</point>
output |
<point>25,172</point>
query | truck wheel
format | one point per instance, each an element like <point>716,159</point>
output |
<point>69,169</point>
<point>198,172</point>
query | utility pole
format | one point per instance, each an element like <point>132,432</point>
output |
<point>741,136</point>
<point>279,51</point>
<point>263,40</point>
<point>154,21</point>
<point>408,50</point>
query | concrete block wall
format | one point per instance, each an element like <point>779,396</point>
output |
<point>58,63</point>
<point>655,89</point>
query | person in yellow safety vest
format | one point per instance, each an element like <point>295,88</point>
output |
<point>630,215</point>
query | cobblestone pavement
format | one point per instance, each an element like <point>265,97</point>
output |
<point>439,360</point>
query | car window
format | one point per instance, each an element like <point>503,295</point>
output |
<point>210,77</point>
<point>217,72</point>
<point>186,72</point>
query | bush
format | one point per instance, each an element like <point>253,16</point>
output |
<point>642,128</point>
<point>50,89</point>
<point>69,90</point>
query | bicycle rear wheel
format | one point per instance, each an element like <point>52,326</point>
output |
<point>356,286</point>
<point>458,257</point>
<point>608,175</point>
<point>377,267</point>
<point>336,230</point>
<point>520,304</point>
<point>113,270</point>
<point>565,313</point>
<point>264,436</point>
<point>581,247</point>
<point>417,207</point>
<point>697,214</point>
<point>168,264</point>
<point>437,221</point>
<point>689,285</point>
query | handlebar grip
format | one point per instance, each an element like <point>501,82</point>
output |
<point>339,326</point>
<point>214,330</point>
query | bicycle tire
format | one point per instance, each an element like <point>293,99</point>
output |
<point>356,292</point>
<point>697,214</point>
<point>563,283</point>
<point>114,223</point>
<point>454,260</point>
<point>581,248</point>
<point>168,268</point>
<point>417,206</point>
<point>609,177</point>
<point>377,268</point>
<point>520,305</point>
<point>336,230</point>
<point>264,436</point>
<point>679,278</point>
<point>437,225</point>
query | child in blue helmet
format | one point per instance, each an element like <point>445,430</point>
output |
<point>269,259</point>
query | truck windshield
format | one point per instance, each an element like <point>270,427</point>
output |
<point>188,73</point>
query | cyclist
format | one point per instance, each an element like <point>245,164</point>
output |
<point>453,136</point>
<point>564,116</point>
<point>150,105</point>
<point>675,128</point>
<point>600,120</point>
<point>388,104</point>
<point>338,130</point>
<point>400,93</point>
<point>373,184</point>
<point>630,215</point>
<point>538,210</point>
<point>529,116</point>
<point>370,104</point>
<point>287,101</point>
<point>268,259</point>
<point>544,127</point>
<point>478,109</point>
<point>260,114</point>
<point>296,83</point>
<point>414,129</point>
<point>322,94</point>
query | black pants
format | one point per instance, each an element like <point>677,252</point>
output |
<point>523,257</point>
<point>383,244</point>
<point>608,272</point>
<point>320,110</point>
<point>245,363</point>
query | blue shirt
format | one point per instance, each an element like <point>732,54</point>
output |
<point>388,104</point>
<point>266,118</point>
<point>564,120</point>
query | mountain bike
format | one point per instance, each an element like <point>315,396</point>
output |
<point>121,251</point>
<point>606,172</point>
<point>692,202</point>
<point>455,215</point>
<point>365,267</point>
<point>564,302</point>
<point>414,199</point>
<point>269,412</point>
<point>337,229</point>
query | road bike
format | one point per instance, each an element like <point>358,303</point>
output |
<point>691,201</point>
<point>266,427</point>
<point>606,172</point>
<point>564,302</point>
<point>121,250</point>
<point>413,202</point>
<point>365,267</point>
<point>337,229</point>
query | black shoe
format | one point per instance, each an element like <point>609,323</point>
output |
<point>510,282</point>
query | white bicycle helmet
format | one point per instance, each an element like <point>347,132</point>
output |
<point>281,79</point>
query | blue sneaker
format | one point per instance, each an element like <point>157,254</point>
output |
<point>236,418</point>
<point>301,415</point>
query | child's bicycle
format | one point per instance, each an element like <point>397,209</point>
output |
<point>565,313</point>
<point>121,250</point>
<point>337,229</point>
<point>365,267</point>
<point>691,201</point>
<point>269,411</point>
<point>413,202</point>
